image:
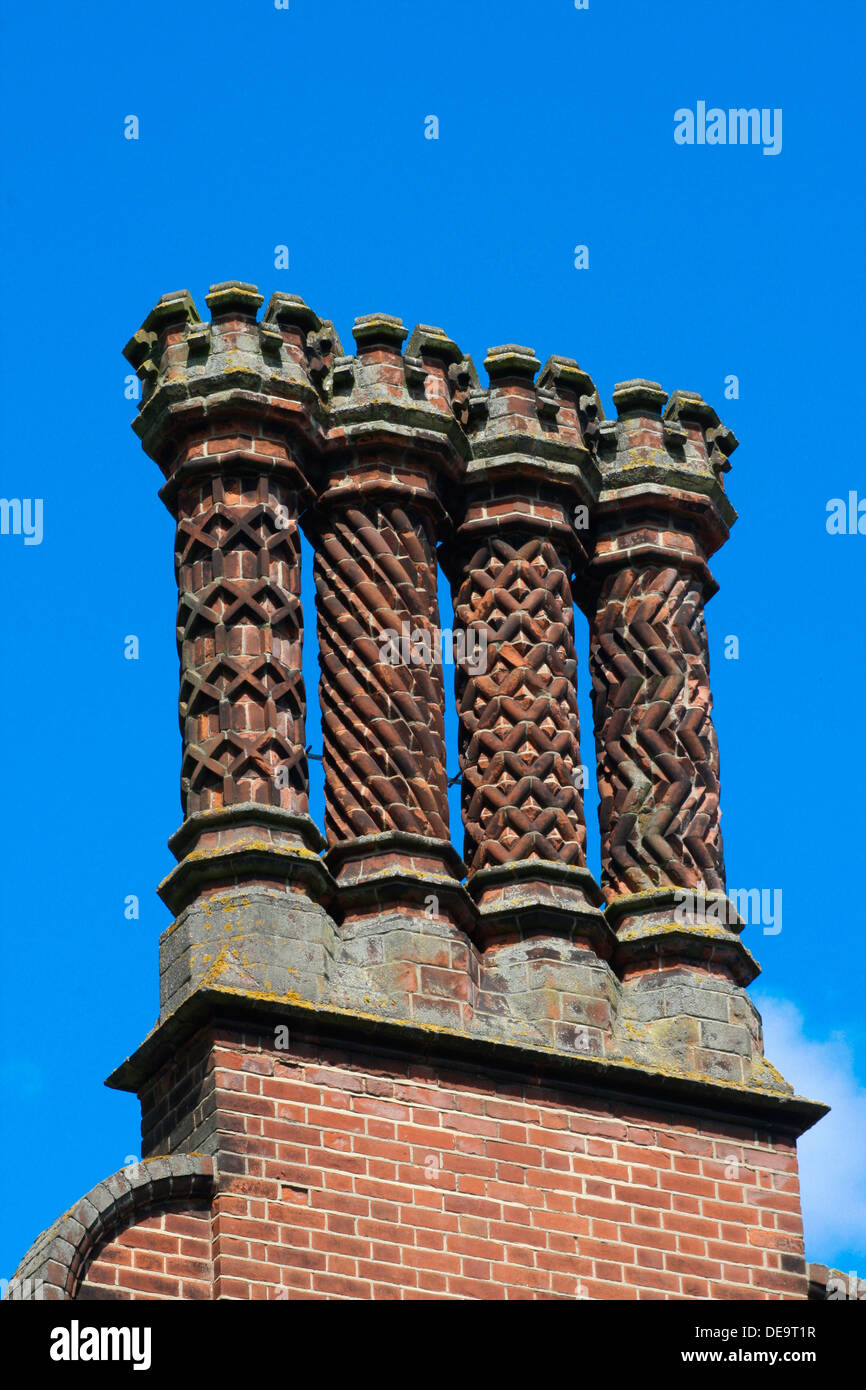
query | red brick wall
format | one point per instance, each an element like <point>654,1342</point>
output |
<point>343,1176</point>
<point>349,1183</point>
<point>167,1255</point>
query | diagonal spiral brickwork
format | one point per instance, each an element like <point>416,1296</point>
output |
<point>382,719</point>
<point>658,761</point>
<point>240,633</point>
<point>519,724</point>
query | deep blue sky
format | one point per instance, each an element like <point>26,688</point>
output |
<point>306,127</point>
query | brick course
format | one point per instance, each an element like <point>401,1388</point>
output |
<point>165,1255</point>
<point>421,1181</point>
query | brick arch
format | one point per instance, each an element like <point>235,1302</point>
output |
<point>57,1262</point>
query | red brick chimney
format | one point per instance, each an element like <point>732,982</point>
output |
<point>379,1072</point>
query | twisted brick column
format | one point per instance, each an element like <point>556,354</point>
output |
<point>382,720</point>
<point>519,723</point>
<point>394,445</point>
<point>375,530</point>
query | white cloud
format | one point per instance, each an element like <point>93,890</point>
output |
<point>833,1153</point>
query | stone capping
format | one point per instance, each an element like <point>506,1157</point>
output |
<point>639,397</point>
<point>511,360</point>
<point>428,341</point>
<point>241,813</point>
<point>291,310</point>
<point>549,870</point>
<point>176,307</point>
<point>57,1261</point>
<point>531,1062</point>
<point>234,297</point>
<point>396,842</point>
<point>379,331</point>
<point>673,945</point>
<point>243,862</point>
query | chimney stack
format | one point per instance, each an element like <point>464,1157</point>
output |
<point>380,1071</point>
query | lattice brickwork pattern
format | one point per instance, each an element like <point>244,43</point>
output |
<point>240,632</point>
<point>519,723</point>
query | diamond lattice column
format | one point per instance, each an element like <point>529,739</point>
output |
<point>240,634</point>
<point>519,723</point>
<point>521,522</point>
